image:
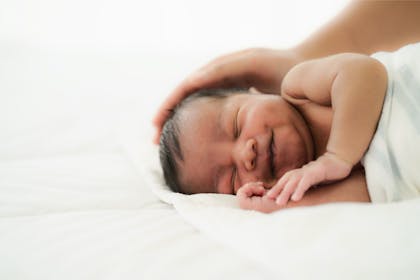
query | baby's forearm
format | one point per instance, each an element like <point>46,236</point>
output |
<point>357,95</point>
<point>352,189</point>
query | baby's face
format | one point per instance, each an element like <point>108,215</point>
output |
<point>228,142</point>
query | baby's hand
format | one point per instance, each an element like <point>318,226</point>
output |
<point>329,167</point>
<point>252,196</point>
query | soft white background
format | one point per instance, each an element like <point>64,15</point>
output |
<point>180,35</point>
<point>162,25</point>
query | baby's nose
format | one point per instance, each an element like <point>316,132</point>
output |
<point>250,154</point>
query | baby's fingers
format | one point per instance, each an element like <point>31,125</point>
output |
<point>301,188</point>
<point>275,191</point>
<point>249,194</point>
<point>288,189</point>
<point>251,189</point>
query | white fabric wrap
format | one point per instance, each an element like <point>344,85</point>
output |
<point>392,162</point>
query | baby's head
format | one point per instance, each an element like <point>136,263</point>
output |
<point>216,140</point>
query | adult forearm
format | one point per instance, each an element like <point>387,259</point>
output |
<point>365,27</point>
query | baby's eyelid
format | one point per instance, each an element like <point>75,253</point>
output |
<point>236,135</point>
<point>233,179</point>
<point>237,124</point>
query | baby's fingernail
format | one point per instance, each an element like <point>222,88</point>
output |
<point>295,197</point>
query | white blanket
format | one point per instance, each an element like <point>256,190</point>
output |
<point>392,161</point>
<point>334,241</point>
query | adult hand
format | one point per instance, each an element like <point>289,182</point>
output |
<point>260,68</point>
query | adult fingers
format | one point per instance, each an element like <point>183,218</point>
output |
<point>156,137</point>
<point>226,71</point>
<point>180,92</point>
<point>165,109</point>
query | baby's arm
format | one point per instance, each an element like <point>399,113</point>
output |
<point>354,86</point>
<point>352,189</point>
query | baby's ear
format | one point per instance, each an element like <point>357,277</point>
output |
<point>255,90</point>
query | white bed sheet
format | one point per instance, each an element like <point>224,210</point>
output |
<point>72,203</point>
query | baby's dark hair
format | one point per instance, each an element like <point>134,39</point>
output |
<point>169,148</point>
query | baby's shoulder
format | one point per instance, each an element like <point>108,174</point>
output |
<point>315,115</point>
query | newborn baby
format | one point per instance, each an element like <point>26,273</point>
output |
<point>240,142</point>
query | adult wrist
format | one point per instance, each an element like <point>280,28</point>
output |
<point>293,56</point>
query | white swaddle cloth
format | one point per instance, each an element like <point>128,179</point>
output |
<point>392,162</point>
